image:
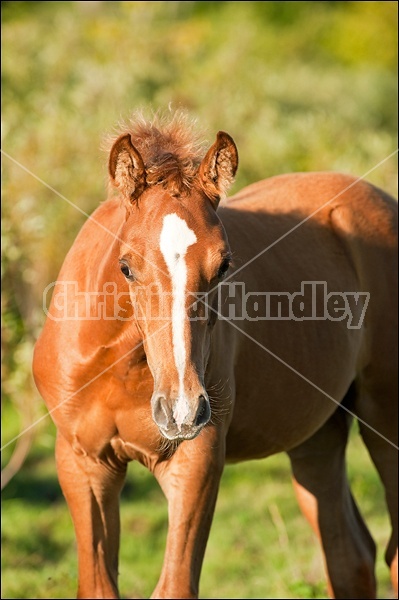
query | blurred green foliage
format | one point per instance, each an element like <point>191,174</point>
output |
<point>299,85</point>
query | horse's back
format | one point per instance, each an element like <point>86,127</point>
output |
<point>305,209</point>
<point>315,194</point>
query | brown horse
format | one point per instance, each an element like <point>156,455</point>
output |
<point>298,338</point>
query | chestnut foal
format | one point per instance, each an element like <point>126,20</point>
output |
<point>141,330</point>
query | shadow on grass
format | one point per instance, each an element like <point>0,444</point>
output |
<point>34,487</point>
<point>38,484</point>
<point>35,549</point>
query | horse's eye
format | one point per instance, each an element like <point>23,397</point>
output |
<point>223,268</point>
<point>126,271</point>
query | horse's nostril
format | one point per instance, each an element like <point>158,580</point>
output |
<point>159,411</point>
<point>203,411</point>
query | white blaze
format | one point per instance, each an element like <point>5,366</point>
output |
<point>176,237</point>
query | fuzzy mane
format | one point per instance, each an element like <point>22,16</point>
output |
<point>170,146</point>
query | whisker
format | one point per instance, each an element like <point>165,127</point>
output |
<point>167,447</point>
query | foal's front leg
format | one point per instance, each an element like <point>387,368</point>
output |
<point>190,481</point>
<point>91,488</point>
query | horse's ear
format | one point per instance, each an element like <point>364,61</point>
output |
<point>218,168</point>
<point>126,168</point>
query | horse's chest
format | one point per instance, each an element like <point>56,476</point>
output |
<point>120,417</point>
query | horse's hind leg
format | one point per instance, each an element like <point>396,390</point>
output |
<point>91,488</point>
<point>379,413</point>
<point>324,496</point>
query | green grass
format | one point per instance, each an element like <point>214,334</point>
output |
<point>260,545</point>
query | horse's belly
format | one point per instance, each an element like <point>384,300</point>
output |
<point>288,388</point>
<point>279,424</point>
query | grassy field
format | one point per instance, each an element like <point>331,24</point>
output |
<point>301,86</point>
<point>260,545</point>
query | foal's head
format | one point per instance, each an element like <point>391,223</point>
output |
<point>174,252</point>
